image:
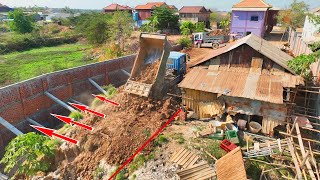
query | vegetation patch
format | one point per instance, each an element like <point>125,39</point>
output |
<point>178,137</point>
<point>30,153</point>
<point>18,66</point>
<point>76,115</point>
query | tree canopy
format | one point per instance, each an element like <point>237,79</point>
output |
<point>187,27</point>
<point>122,27</point>
<point>95,26</point>
<point>166,18</point>
<point>21,23</point>
<point>294,16</point>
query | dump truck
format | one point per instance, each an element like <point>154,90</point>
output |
<point>154,69</point>
<point>203,39</point>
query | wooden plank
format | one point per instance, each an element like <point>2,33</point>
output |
<point>303,152</point>
<point>176,154</point>
<point>183,158</point>
<point>202,173</point>
<point>186,159</point>
<point>295,161</point>
<point>188,162</point>
<point>191,175</point>
<point>209,176</point>
<point>192,169</point>
<point>180,156</point>
<point>306,139</point>
<point>313,160</point>
<point>193,161</point>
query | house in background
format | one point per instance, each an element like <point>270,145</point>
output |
<point>4,8</point>
<point>195,14</point>
<point>248,79</point>
<point>310,31</point>
<point>143,12</point>
<point>117,7</point>
<point>250,17</point>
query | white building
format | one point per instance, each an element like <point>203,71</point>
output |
<point>310,31</point>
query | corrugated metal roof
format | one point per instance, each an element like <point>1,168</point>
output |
<point>252,4</point>
<point>263,87</point>
<point>151,5</point>
<point>260,45</point>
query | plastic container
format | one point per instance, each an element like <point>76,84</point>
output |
<point>254,127</point>
<point>232,136</point>
<point>227,145</point>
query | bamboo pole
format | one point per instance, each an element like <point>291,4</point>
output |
<point>313,160</point>
<point>306,139</point>
<point>303,152</point>
<point>272,164</point>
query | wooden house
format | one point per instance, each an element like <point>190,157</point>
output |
<point>249,79</point>
<point>117,7</point>
<point>195,14</point>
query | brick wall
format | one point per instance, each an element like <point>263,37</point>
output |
<point>27,98</point>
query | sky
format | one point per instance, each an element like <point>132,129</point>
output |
<point>222,5</point>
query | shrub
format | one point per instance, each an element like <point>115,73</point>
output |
<point>112,51</point>
<point>179,138</point>
<point>301,64</point>
<point>185,42</point>
<point>76,115</point>
<point>136,163</point>
<point>29,152</point>
<point>111,90</point>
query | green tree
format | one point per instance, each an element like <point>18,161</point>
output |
<point>95,27</point>
<point>215,17</point>
<point>21,23</point>
<point>30,153</point>
<point>301,64</point>
<point>187,28</point>
<point>294,16</point>
<point>199,27</point>
<point>166,18</point>
<point>122,27</point>
<point>152,24</point>
<point>225,23</point>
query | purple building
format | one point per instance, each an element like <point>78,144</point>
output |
<point>250,17</point>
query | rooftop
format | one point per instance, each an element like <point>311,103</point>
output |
<point>151,5</point>
<point>193,9</point>
<point>262,46</point>
<point>252,4</point>
<point>262,87</point>
<point>117,7</point>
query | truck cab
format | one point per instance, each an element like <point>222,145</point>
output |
<point>176,68</point>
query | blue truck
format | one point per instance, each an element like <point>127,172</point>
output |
<point>176,67</point>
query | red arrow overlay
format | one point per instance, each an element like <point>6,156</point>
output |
<point>51,132</point>
<point>86,109</point>
<point>69,120</point>
<point>144,145</point>
<point>104,99</point>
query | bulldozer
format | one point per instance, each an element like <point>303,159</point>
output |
<point>152,74</point>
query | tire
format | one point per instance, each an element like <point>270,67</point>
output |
<point>215,46</point>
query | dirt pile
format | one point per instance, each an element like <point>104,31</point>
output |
<point>218,32</point>
<point>147,73</point>
<point>118,136</point>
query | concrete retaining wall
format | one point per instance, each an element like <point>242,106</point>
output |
<point>27,99</point>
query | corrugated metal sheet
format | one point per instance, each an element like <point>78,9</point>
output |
<point>262,46</point>
<point>263,87</point>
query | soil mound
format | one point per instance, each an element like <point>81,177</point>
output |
<point>118,136</point>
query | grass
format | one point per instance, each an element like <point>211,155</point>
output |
<point>178,137</point>
<point>76,115</point>
<point>18,66</point>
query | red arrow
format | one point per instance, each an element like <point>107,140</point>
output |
<point>51,132</point>
<point>104,99</point>
<point>86,109</point>
<point>69,120</point>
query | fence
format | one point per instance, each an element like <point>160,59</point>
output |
<point>297,45</point>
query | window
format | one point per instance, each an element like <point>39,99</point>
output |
<point>254,18</point>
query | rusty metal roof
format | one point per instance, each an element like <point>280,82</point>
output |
<point>263,87</point>
<point>117,7</point>
<point>262,46</point>
<point>193,9</point>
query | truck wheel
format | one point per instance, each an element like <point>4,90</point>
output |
<point>215,46</point>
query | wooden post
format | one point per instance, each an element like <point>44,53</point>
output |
<point>295,161</point>
<point>313,160</point>
<point>303,152</point>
